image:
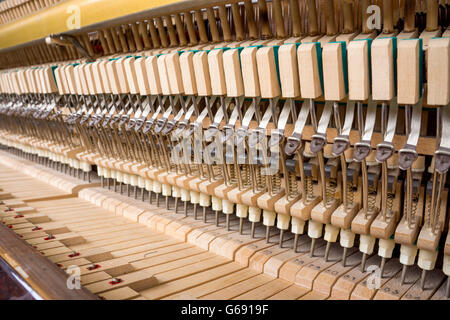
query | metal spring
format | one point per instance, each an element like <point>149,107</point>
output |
<point>371,199</point>
<point>432,218</point>
<point>436,218</point>
<point>415,202</point>
<point>428,211</point>
<point>193,169</point>
<point>309,188</point>
<point>203,169</point>
<point>276,183</point>
<point>350,190</point>
<point>292,186</point>
<point>173,167</point>
<point>260,181</point>
<point>217,170</point>
<point>330,188</point>
<point>160,155</point>
<point>245,172</point>
<point>390,200</point>
<point>233,174</point>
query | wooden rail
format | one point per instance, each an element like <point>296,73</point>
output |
<point>41,274</point>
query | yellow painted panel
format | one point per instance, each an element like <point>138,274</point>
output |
<point>62,17</point>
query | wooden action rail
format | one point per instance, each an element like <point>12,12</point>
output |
<point>137,251</point>
<point>32,267</point>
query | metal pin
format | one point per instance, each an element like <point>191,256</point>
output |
<point>280,244</point>
<point>295,242</point>
<point>327,251</point>
<point>313,244</point>
<point>253,230</point>
<point>176,205</point>
<point>228,222</point>
<point>167,202</point>
<point>363,262</point>
<point>422,279</point>
<point>267,234</point>
<point>101,181</point>
<point>195,211</point>
<point>185,208</point>
<point>89,176</point>
<point>217,218</point>
<point>383,263</point>
<point>204,214</point>
<point>142,194</point>
<point>344,256</point>
<point>135,192</point>
<point>241,222</point>
<point>404,269</point>
<point>128,190</point>
<point>108,183</point>
<point>157,199</point>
